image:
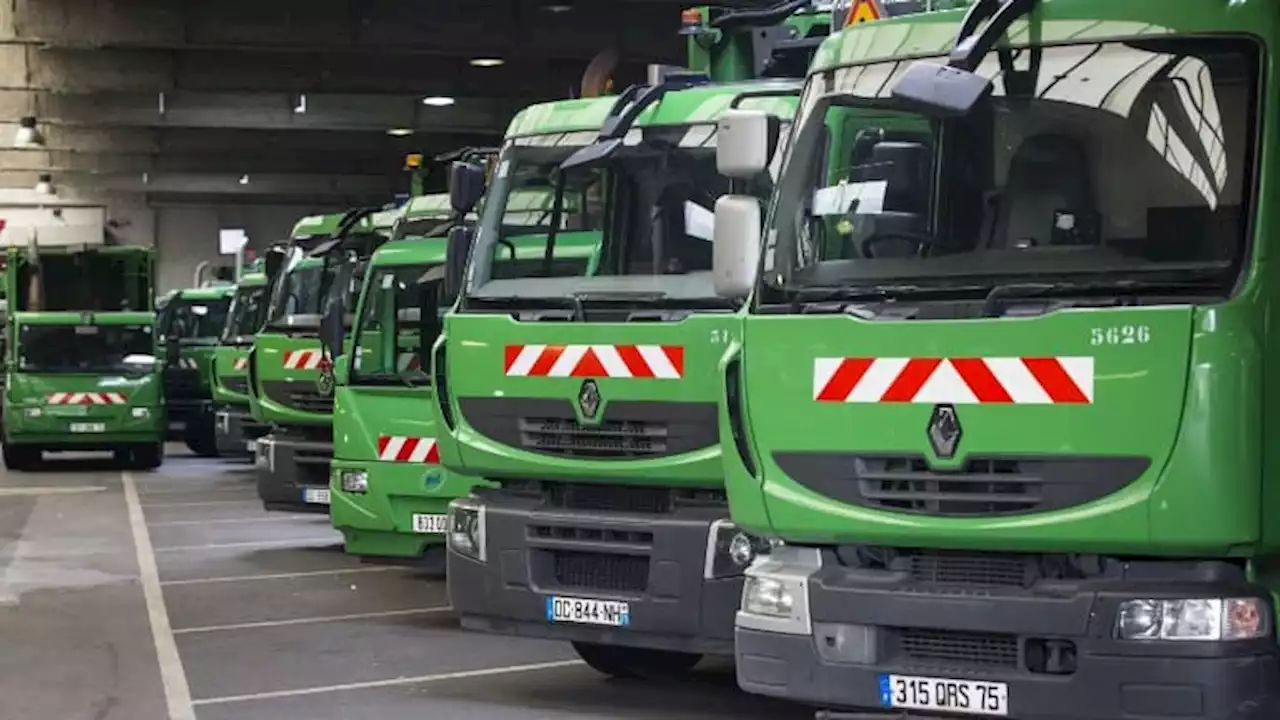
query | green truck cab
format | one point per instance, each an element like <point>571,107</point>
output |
<point>236,430</point>
<point>389,493</point>
<point>587,402</point>
<point>290,373</point>
<point>81,372</point>
<point>1006,356</point>
<point>190,326</point>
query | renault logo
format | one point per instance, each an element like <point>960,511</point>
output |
<point>944,431</point>
<point>589,399</point>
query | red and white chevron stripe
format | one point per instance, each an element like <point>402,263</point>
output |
<point>186,363</point>
<point>302,359</point>
<point>241,363</point>
<point>398,448</point>
<point>659,362</point>
<point>85,398</point>
<point>957,381</point>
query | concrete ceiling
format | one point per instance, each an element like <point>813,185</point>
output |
<point>276,100</point>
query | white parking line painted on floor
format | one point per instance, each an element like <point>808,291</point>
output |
<point>255,501</point>
<point>173,677</point>
<point>53,490</point>
<point>419,680</point>
<point>286,576</point>
<point>302,544</point>
<point>226,521</point>
<point>305,621</point>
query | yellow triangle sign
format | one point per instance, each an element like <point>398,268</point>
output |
<point>863,11</point>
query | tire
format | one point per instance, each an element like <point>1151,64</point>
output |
<point>20,458</point>
<point>201,439</point>
<point>147,457</point>
<point>632,662</point>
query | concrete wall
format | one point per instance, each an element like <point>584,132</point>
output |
<point>186,235</point>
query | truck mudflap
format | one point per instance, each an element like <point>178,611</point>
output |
<point>293,470</point>
<point>659,581</point>
<point>237,433</point>
<point>880,643</point>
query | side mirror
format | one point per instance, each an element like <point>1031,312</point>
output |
<point>455,262</point>
<point>466,186</point>
<point>273,261</point>
<point>342,370</point>
<point>744,142</point>
<point>331,330</point>
<point>735,245</point>
<point>940,91</point>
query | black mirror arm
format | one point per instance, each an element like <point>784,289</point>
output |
<point>971,46</point>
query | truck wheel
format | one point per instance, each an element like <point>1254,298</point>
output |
<point>201,439</point>
<point>632,662</point>
<point>147,457</point>
<point>17,457</point>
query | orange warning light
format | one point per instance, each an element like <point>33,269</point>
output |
<point>413,161</point>
<point>863,11</point>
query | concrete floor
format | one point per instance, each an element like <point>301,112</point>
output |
<point>173,596</point>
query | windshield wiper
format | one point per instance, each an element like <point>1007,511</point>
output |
<point>1104,289</point>
<point>840,296</point>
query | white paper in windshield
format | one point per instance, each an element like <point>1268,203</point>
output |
<point>837,199</point>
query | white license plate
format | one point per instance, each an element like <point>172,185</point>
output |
<point>251,446</point>
<point>88,427</point>
<point>972,697</point>
<point>588,612</point>
<point>423,523</point>
<point>315,496</point>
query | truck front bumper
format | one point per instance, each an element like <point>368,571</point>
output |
<point>237,432</point>
<point>1054,652</point>
<point>293,471</point>
<point>400,511</point>
<point>670,570</point>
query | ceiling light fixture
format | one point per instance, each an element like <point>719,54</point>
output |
<point>488,62</point>
<point>28,135</point>
<point>400,132</point>
<point>244,179</point>
<point>557,7</point>
<point>438,101</point>
<point>300,108</point>
<point>44,186</point>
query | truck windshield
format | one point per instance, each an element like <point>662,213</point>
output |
<point>649,211</point>
<point>299,295</point>
<point>247,312</point>
<point>1110,162</point>
<point>386,340</point>
<point>188,319</point>
<point>86,349</point>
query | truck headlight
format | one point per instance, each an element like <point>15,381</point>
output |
<point>768,596</point>
<point>731,551</point>
<point>354,481</point>
<point>140,412</point>
<point>32,412</point>
<point>466,528</point>
<point>1190,619</point>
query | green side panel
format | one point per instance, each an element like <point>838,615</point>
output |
<point>272,351</point>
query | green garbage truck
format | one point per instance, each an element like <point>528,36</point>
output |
<point>588,402</point>
<point>1000,397</point>
<point>389,493</point>
<point>81,367</point>
<point>190,326</point>
<point>290,374</point>
<point>236,430</point>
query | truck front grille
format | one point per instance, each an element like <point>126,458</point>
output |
<point>601,571</point>
<point>633,499</point>
<point>609,439</point>
<point>979,570</point>
<point>311,402</point>
<point>300,395</point>
<point>984,486</point>
<point>235,384</point>
<point>949,647</point>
